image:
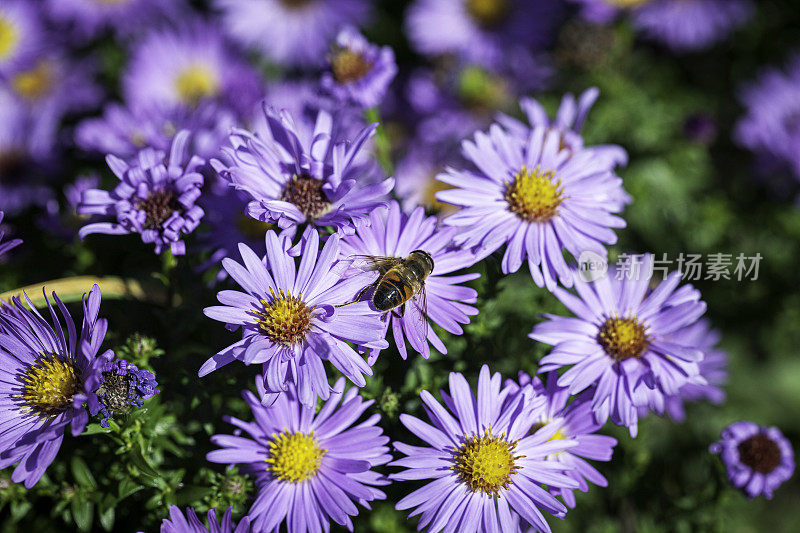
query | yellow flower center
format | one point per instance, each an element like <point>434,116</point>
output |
<point>294,456</point>
<point>9,37</point>
<point>429,199</point>
<point>285,320</point>
<point>486,463</point>
<point>349,66</point>
<point>487,12</point>
<point>34,83</point>
<point>539,425</point>
<point>535,196</point>
<point>49,385</point>
<point>623,338</point>
<point>195,83</point>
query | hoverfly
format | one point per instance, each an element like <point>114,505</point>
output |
<point>401,279</point>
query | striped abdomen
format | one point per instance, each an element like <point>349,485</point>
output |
<point>401,282</point>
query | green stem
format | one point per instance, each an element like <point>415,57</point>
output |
<point>168,265</point>
<point>383,147</point>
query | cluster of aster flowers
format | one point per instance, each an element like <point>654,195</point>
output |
<point>771,127</point>
<point>52,381</point>
<point>539,191</point>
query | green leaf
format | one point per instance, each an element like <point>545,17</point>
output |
<point>82,513</point>
<point>73,290</point>
<point>82,473</point>
<point>19,510</point>
<point>94,428</point>
<point>192,493</point>
<point>107,519</point>
<point>127,487</point>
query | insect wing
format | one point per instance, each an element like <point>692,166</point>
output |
<point>375,262</point>
<point>421,303</point>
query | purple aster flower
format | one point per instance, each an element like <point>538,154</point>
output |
<point>155,197</point>
<point>625,339</point>
<point>178,523</point>
<point>123,132</point>
<point>20,33</point>
<point>480,31</point>
<point>122,385</point>
<point>45,378</point>
<point>487,468</point>
<point>289,319</point>
<point>536,195</point>
<point>47,88</point>
<point>310,466</point>
<point>712,375</point>
<point>6,246</point>
<point>21,173</point>
<point>392,233</point>
<point>87,18</point>
<point>360,72</point>
<point>685,25</point>
<point>291,182</point>
<point>568,122</point>
<point>291,32</point>
<point>174,69</point>
<point>574,421</point>
<point>758,459</point>
<point>771,126</point>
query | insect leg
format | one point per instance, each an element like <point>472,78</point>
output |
<point>358,296</point>
<point>398,314</point>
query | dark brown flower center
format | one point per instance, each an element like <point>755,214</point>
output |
<point>349,66</point>
<point>623,338</point>
<point>115,391</point>
<point>306,193</point>
<point>488,13</point>
<point>158,207</point>
<point>760,453</point>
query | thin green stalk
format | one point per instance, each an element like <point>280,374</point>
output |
<point>383,147</point>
